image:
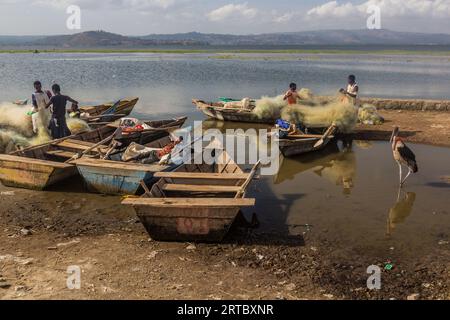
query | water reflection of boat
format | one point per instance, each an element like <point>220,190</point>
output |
<point>337,166</point>
<point>290,167</point>
<point>400,211</point>
<point>340,171</point>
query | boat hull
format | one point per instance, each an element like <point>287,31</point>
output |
<point>295,148</point>
<point>187,224</point>
<point>116,179</point>
<point>235,116</point>
<point>32,174</point>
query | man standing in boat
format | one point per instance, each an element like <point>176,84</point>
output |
<point>58,125</point>
<point>351,94</point>
<point>291,95</point>
<point>39,115</point>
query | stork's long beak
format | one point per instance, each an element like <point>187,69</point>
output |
<point>394,134</point>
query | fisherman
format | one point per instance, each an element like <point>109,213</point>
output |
<point>351,94</point>
<point>291,95</point>
<point>39,114</point>
<point>58,125</point>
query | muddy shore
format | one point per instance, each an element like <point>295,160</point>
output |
<point>43,233</point>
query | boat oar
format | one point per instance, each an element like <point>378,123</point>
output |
<point>325,136</point>
<point>144,186</point>
<point>80,154</point>
<point>103,116</point>
<point>245,185</point>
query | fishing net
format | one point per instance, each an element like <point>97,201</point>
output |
<point>368,114</point>
<point>311,111</point>
<point>16,130</point>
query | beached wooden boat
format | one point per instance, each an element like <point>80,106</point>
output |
<point>117,177</point>
<point>216,110</point>
<point>195,202</point>
<point>38,167</point>
<point>295,145</point>
<point>109,112</point>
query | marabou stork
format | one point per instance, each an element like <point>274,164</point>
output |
<point>403,155</point>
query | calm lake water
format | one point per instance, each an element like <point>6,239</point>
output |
<point>166,83</point>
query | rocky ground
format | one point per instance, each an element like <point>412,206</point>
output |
<point>43,233</point>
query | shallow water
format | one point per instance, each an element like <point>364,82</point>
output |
<point>352,195</point>
<point>166,83</point>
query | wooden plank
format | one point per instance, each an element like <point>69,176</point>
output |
<point>196,175</point>
<point>16,159</point>
<point>85,161</point>
<point>61,153</point>
<point>78,145</point>
<point>190,202</point>
<point>199,188</point>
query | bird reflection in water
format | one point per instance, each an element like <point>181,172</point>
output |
<point>400,211</point>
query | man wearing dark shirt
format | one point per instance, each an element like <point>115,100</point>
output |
<point>58,124</point>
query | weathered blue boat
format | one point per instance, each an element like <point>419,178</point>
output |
<point>117,177</point>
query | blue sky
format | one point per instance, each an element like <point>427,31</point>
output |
<point>139,17</point>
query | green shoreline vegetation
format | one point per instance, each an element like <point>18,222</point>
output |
<point>230,53</point>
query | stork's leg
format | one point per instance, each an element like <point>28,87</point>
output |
<point>401,174</point>
<point>404,180</point>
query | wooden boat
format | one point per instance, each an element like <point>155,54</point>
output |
<point>158,130</point>
<point>195,202</point>
<point>117,177</point>
<point>216,110</point>
<point>109,112</point>
<point>295,145</point>
<point>38,167</point>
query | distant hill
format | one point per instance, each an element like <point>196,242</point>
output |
<point>97,39</point>
<point>323,37</point>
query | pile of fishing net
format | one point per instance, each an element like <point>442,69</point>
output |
<point>16,129</point>
<point>311,111</point>
<point>368,114</point>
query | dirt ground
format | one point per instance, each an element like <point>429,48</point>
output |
<point>43,233</point>
<point>425,127</point>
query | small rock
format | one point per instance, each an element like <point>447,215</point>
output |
<point>20,288</point>
<point>426,285</point>
<point>414,296</point>
<point>25,232</point>
<point>291,287</point>
<point>152,255</point>
<point>191,247</point>
<point>442,243</point>
<point>4,285</point>
<point>328,296</point>
<point>314,249</point>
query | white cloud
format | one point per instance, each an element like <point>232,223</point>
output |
<point>232,10</point>
<point>389,8</point>
<point>116,4</point>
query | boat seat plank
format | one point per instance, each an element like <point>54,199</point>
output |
<point>61,153</point>
<point>200,188</point>
<point>32,161</point>
<point>78,145</point>
<point>197,175</point>
<point>90,162</point>
<point>190,202</point>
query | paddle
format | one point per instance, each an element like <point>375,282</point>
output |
<point>80,154</point>
<point>252,174</point>
<point>144,186</point>
<point>325,136</point>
